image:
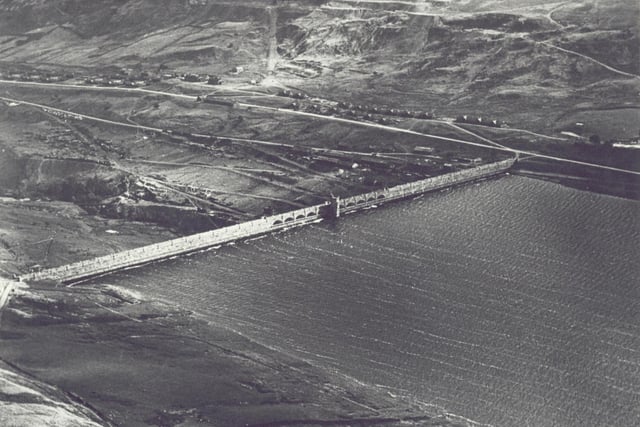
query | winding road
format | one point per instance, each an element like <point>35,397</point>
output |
<point>493,146</point>
<point>595,61</point>
<point>496,146</point>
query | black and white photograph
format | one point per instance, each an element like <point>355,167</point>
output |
<point>306,213</point>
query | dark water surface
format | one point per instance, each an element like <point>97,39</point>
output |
<point>514,302</point>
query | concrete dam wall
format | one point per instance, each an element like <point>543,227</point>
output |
<point>361,201</point>
<point>333,209</point>
<point>170,248</point>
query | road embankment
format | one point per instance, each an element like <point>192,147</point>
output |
<point>6,288</point>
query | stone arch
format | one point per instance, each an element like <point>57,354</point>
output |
<point>289,219</point>
<point>312,213</point>
<point>301,216</point>
<point>381,196</point>
<point>278,222</point>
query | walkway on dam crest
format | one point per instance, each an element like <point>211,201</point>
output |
<point>331,209</point>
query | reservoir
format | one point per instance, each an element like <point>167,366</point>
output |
<point>512,301</point>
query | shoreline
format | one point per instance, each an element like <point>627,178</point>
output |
<point>42,301</point>
<point>237,382</point>
<point>582,183</point>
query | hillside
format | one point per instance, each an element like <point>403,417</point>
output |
<point>129,122</point>
<point>453,56</point>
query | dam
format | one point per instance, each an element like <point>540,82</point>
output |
<point>329,210</point>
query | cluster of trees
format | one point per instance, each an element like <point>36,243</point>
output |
<point>83,191</point>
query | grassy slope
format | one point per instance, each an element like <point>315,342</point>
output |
<point>488,64</point>
<point>455,57</point>
<point>142,363</point>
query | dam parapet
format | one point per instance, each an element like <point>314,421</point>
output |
<point>361,201</point>
<point>329,210</point>
<point>174,247</point>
